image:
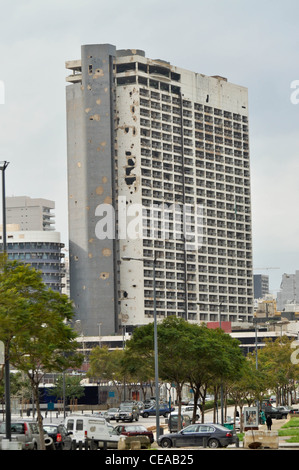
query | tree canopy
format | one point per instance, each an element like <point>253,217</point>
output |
<point>34,325</point>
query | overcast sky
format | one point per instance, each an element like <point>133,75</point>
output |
<point>253,43</point>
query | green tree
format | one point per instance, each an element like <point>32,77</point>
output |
<point>34,327</point>
<point>274,361</point>
<point>107,365</point>
<point>173,350</point>
<point>216,358</point>
<point>70,385</point>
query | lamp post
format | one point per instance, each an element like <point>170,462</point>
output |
<point>221,386</point>
<point>3,166</point>
<point>155,342</point>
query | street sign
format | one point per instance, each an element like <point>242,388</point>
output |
<point>2,353</point>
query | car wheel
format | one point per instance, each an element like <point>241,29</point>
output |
<point>213,443</point>
<point>145,415</point>
<point>166,443</point>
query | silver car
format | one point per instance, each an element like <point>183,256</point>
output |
<point>23,431</point>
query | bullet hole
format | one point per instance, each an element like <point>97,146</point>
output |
<point>130,180</point>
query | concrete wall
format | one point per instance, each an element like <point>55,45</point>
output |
<point>90,184</point>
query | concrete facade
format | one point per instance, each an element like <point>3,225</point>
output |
<point>30,213</point>
<point>289,291</point>
<point>158,168</point>
<point>42,250</point>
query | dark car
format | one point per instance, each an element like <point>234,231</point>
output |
<point>133,430</point>
<point>173,421</point>
<point>164,410</point>
<point>213,435</point>
<point>274,412</point>
<point>62,439</point>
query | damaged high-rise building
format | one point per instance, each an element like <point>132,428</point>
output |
<point>159,190</point>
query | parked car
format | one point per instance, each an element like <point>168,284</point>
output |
<point>164,410</point>
<point>233,422</point>
<point>24,431</point>
<point>95,431</point>
<point>289,409</point>
<point>189,409</point>
<point>194,435</point>
<point>133,430</point>
<point>61,438</point>
<point>173,420</point>
<point>274,412</point>
<point>127,413</point>
<point>285,408</point>
<point>148,403</point>
<point>112,412</point>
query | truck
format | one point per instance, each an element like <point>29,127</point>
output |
<point>273,412</point>
<point>93,432</point>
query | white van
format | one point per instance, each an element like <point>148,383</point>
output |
<point>93,431</point>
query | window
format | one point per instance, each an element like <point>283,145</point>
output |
<point>70,425</point>
<point>79,425</point>
<point>192,428</point>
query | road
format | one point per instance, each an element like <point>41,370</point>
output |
<point>151,420</point>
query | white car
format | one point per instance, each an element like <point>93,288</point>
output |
<point>188,410</point>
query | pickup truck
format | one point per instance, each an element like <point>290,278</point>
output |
<point>274,412</point>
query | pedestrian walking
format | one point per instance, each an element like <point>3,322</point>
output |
<point>269,423</point>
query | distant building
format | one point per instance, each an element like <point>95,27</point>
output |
<point>289,290</point>
<point>29,213</point>
<point>42,250</point>
<point>31,238</point>
<point>261,285</point>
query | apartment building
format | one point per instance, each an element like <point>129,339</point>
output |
<point>159,192</point>
<point>40,249</point>
<point>260,285</point>
<point>32,239</point>
<point>30,213</point>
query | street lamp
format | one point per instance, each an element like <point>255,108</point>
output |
<point>3,166</point>
<point>155,341</point>
<point>221,386</point>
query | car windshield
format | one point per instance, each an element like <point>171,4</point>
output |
<point>16,428</point>
<point>126,408</point>
<point>50,429</point>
